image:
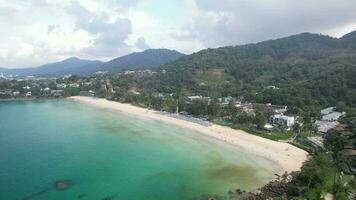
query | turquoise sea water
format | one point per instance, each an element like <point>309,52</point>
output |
<point>107,154</point>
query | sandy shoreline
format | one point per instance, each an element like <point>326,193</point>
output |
<point>288,157</point>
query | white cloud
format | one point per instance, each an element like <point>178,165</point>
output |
<point>142,44</point>
<point>231,22</point>
<point>34,32</point>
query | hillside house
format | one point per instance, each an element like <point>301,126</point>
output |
<point>224,100</point>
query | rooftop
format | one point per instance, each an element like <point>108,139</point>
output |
<point>332,116</point>
<point>327,110</point>
<point>349,152</point>
<point>324,126</point>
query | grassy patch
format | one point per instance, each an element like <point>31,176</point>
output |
<point>270,135</point>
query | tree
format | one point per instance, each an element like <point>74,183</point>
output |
<point>260,120</point>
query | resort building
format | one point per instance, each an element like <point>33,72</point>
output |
<point>282,120</point>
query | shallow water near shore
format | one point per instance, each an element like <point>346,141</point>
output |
<point>102,153</point>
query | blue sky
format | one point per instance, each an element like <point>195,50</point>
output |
<point>170,13</point>
<point>35,32</point>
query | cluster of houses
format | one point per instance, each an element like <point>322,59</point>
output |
<point>9,92</point>
<point>137,73</point>
<point>28,91</point>
<point>329,120</point>
<point>278,119</point>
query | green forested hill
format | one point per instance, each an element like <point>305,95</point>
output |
<point>309,69</point>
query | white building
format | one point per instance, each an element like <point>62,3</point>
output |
<point>282,120</point>
<point>26,87</point>
<point>100,72</point>
<point>74,85</point>
<point>225,100</point>
<point>272,87</point>
<point>61,85</point>
<point>192,98</point>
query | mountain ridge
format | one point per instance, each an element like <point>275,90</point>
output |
<point>150,58</point>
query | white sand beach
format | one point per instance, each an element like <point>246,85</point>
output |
<point>287,156</point>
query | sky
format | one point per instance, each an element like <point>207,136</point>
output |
<point>35,32</point>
